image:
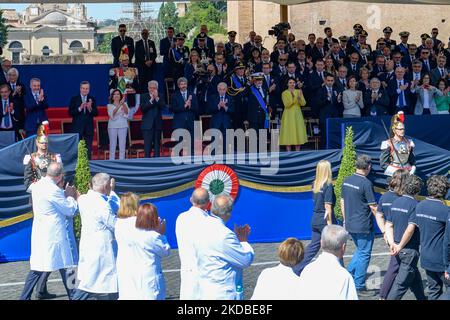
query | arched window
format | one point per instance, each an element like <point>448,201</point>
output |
<point>45,51</point>
<point>15,45</point>
<point>76,46</point>
<point>16,48</point>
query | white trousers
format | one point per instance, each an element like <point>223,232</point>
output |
<point>113,134</point>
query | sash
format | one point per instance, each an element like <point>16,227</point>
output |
<point>236,82</point>
<point>262,103</point>
<point>177,55</point>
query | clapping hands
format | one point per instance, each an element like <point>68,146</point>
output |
<point>242,232</point>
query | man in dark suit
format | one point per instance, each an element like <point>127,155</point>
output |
<point>399,91</point>
<point>330,105</point>
<point>440,72</point>
<point>329,40</point>
<point>428,64</point>
<point>337,54</point>
<point>311,44</point>
<point>165,44</point>
<point>184,108</point>
<point>416,72</point>
<point>151,107</point>
<point>341,82</point>
<point>209,41</point>
<point>35,105</point>
<point>117,43</point>
<point>436,42</point>
<point>388,74</point>
<point>315,82</point>
<point>376,100</point>
<point>280,50</point>
<point>378,67</point>
<point>11,112</point>
<point>231,42</point>
<point>249,45</point>
<point>319,51</point>
<point>6,65</point>
<point>220,106</point>
<point>354,65</point>
<point>258,108</point>
<point>407,60</point>
<point>83,109</point>
<point>270,84</point>
<point>18,90</point>
<point>145,59</point>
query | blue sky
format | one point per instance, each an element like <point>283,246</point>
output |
<point>95,10</point>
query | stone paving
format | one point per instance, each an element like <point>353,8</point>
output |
<point>12,275</point>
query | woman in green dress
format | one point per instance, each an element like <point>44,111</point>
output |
<point>293,130</point>
<point>443,102</point>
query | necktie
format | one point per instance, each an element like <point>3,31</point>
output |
<point>83,99</point>
<point>426,64</point>
<point>343,82</point>
<point>6,113</point>
<point>36,97</point>
<point>321,75</point>
<point>353,67</point>
<point>268,81</point>
<point>13,86</point>
<point>401,97</point>
<point>147,56</point>
<point>184,96</point>
<point>442,72</point>
<point>329,93</point>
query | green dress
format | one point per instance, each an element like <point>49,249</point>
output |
<point>293,129</point>
<point>443,102</point>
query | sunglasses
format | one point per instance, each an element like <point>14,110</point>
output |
<point>401,129</point>
<point>282,59</point>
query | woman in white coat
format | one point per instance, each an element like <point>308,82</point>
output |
<point>281,282</point>
<point>142,244</point>
<point>426,94</point>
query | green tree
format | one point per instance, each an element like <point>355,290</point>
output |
<point>105,45</point>
<point>203,12</point>
<point>346,169</point>
<point>3,30</point>
<point>82,179</point>
<point>168,15</point>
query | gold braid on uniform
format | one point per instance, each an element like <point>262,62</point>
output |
<point>232,90</point>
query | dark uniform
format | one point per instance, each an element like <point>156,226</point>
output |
<point>402,213</point>
<point>178,57</point>
<point>431,217</point>
<point>237,89</point>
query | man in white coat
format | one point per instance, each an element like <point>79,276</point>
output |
<point>326,278</point>
<point>187,228</point>
<point>50,244</point>
<point>222,254</point>
<point>97,274</point>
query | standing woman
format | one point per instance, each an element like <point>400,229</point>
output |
<point>364,82</point>
<point>293,130</point>
<point>443,102</point>
<point>426,93</point>
<point>117,124</point>
<point>324,200</point>
<point>142,244</point>
<point>352,100</point>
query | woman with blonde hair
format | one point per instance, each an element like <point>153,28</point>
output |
<point>324,200</point>
<point>140,237</point>
<point>293,129</point>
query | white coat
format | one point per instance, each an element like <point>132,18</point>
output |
<point>139,261</point>
<point>277,283</point>
<point>221,259</point>
<point>187,228</point>
<point>50,247</point>
<point>326,279</point>
<point>97,262</point>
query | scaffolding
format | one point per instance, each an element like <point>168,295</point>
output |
<point>138,16</point>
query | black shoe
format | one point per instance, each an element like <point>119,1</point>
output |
<point>363,293</point>
<point>45,296</point>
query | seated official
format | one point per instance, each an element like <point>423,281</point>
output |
<point>18,90</point>
<point>35,105</point>
<point>117,124</point>
<point>281,282</point>
<point>376,100</point>
<point>221,108</point>
<point>11,112</point>
<point>152,105</point>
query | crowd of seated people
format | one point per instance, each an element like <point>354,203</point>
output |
<point>296,80</point>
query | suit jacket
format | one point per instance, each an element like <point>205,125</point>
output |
<point>436,75</point>
<point>82,122</point>
<point>407,61</point>
<point>220,118</point>
<point>117,45</point>
<point>19,113</point>
<point>386,77</point>
<point>183,118</point>
<point>432,93</point>
<point>377,71</point>
<point>20,96</point>
<point>164,47</point>
<point>431,63</point>
<point>35,113</point>
<point>351,72</point>
<point>329,43</point>
<point>380,104</point>
<point>2,78</point>
<point>329,108</point>
<point>209,44</point>
<point>240,99</point>
<point>151,112</point>
<point>393,96</point>
<point>256,113</point>
<point>341,55</point>
<point>140,53</point>
<point>275,55</point>
<point>403,49</point>
<point>314,84</point>
<point>316,55</point>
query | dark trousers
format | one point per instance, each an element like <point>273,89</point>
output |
<point>84,295</point>
<point>41,286</point>
<point>435,284</point>
<point>152,140</point>
<point>33,279</point>
<point>238,120</point>
<point>311,251</point>
<point>389,277</point>
<point>426,112</point>
<point>408,276</point>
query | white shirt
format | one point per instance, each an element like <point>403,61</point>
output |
<point>5,114</point>
<point>119,120</point>
<point>326,279</point>
<point>221,260</point>
<point>97,263</point>
<point>187,228</point>
<point>277,283</point>
<point>50,244</point>
<point>139,261</point>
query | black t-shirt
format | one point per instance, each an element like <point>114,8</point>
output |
<point>385,202</point>
<point>431,217</point>
<point>357,192</point>
<point>401,214</point>
<point>447,245</point>
<point>325,195</point>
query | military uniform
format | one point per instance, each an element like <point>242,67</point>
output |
<point>396,155</point>
<point>178,57</point>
